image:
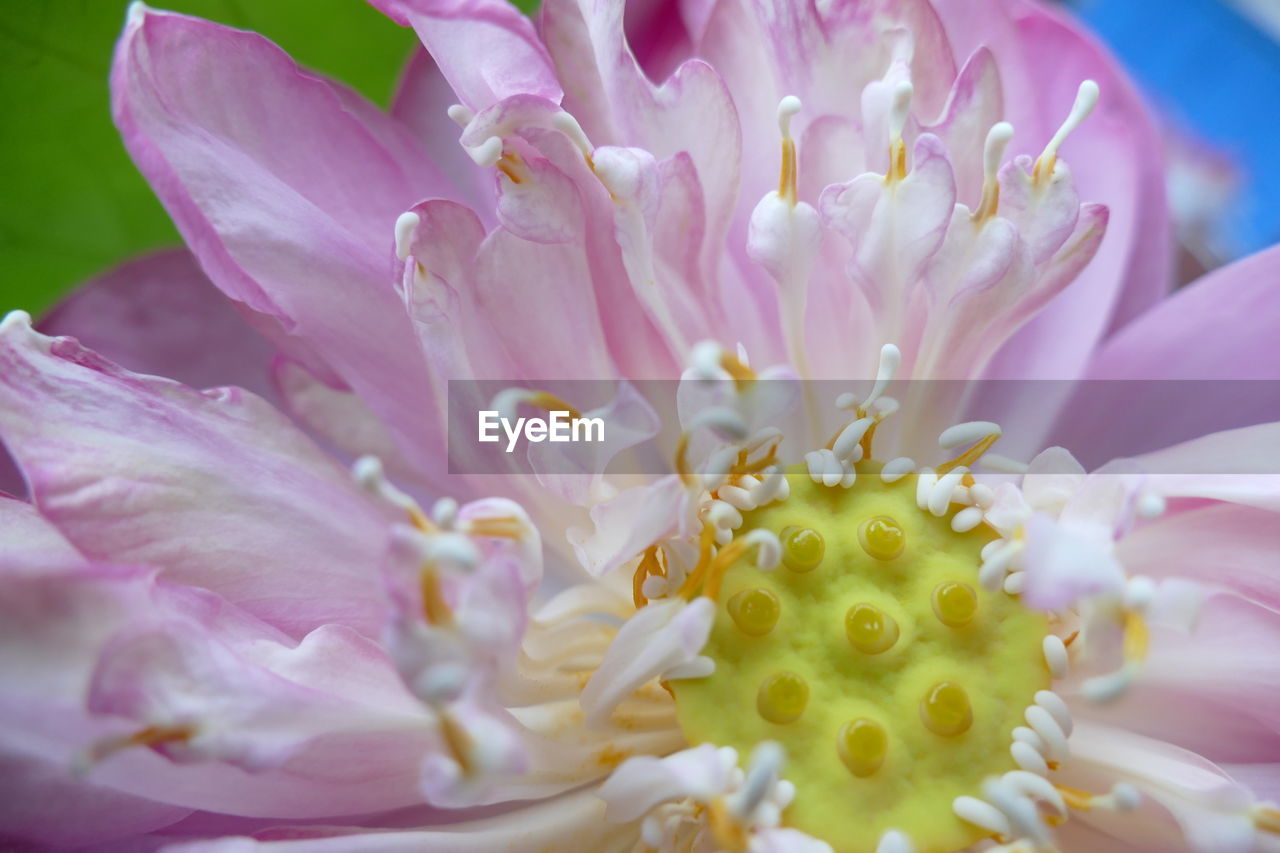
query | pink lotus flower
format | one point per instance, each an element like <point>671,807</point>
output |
<point>217,637</point>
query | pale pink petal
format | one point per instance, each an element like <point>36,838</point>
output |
<point>486,49</point>
<point>29,542</point>
<point>160,314</point>
<point>628,523</point>
<point>216,489</point>
<point>288,194</point>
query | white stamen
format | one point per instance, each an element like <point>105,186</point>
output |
<point>721,419</point>
<point>1028,758</point>
<point>445,512</point>
<point>895,841</point>
<point>966,519</point>
<point>1036,786</point>
<point>1086,100</point>
<point>1107,688</point>
<point>890,361</point>
<point>900,111</point>
<point>983,495</point>
<point>568,125</point>
<point>787,109</point>
<point>768,548</point>
<point>895,469</point>
<point>1015,583</point>
<point>763,773</point>
<point>487,153</point>
<point>1044,724</point>
<point>704,361</point>
<point>1054,704</point>
<point>406,223</point>
<point>993,151</point>
<point>940,495</point>
<point>508,400</point>
<point>1021,811</point>
<point>1125,797</point>
<point>370,476</point>
<point>1139,592</point>
<point>1151,505</point>
<point>967,433</point>
<point>722,516</point>
<point>460,115</point>
<point>981,814</point>
<point>737,497</point>
<point>996,565</point>
<point>1003,464</point>
<point>849,437</point>
<point>1055,655</point>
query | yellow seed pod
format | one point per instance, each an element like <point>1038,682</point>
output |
<point>945,709</point>
<point>870,630</point>
<point>755,611</point>
<point>782,697</point>
<point>802,548</point>
<point>954,603</point>
<point>882,537</point>
<point>862,745</point>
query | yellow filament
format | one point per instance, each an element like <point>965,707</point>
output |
<point>870,630</point>
<point>945,710</point>
<point>802,548</point>
<point>882,537</point>
<point>434,608</point>
<point>1136,637</point>
<point>782,698</point>
<point>1267,819</point>
<point>970,456</point>
<point>954,603</point>
<point>498,527</point>
<point>897,162</point>
<point>862,745</point>
<point>649,565</point>
<point>787,179</point>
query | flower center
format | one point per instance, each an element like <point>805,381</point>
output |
<point>873,655</point>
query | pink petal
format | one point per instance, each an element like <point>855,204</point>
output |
<point>216,489</point>
<point>287,189</point>
<point>486,49</point>
<point>160,314</point>
<point>30,543</point>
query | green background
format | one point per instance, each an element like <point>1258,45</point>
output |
<point>71,202</point>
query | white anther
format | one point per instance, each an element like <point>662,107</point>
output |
<point>940,495</point>
<point>895,469</point>
<point>452,548</point>
<point>773,486</point>
<point>981,814</point>
<point>406,223</point>
<point>787,109</point>
<point>16,317</point>
<point>925,484</point>
<point>1003,464</point>
<point>884,407</point>
<point>1055,705</point>
<point>445,512</point>
<point>890,358</point>
<point>1024,817</point>
<point>1138,593</point>
<point>900,110</point>
<point>982,495</point>
<point>1037,787</point>
<point>996,564</point>
<point>966,519</point>
<point>1151,505</point>
<point>460,115</point>
<point>568,125</point>
<point>1107,688</point>
<point>763,773</point>
<point>895,841</point>
<point>992,547</point>
<point>1055,655</point>
<point>1027,735</point>
<point>738,497</point>
<point>370,476</point>
<point>705,361</point>
<point>654,587</point>
<point>1015,583</point>
<point>847,442</point>
<point>768,547</point>
<point>487,153</point>
<point>847,400</point>
<point>722,516</point>
<point>1086,100</point>
<point>967,433</point>
<point>1044,724</point>
<point>1124,797</point>
<point>993,151</point>
<point>1028,758</point>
